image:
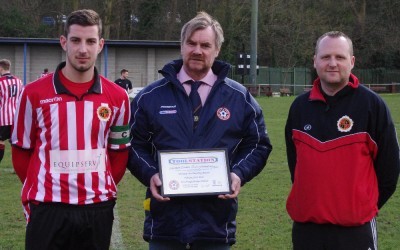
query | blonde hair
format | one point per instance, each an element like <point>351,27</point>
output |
<point>200,22</point>
<point>5,64</point>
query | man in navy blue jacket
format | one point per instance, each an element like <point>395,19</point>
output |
<point>163,119</point>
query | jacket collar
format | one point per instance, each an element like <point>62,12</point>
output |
<point>61,89</point>
<point>170,70</point>
<point>316,92</point>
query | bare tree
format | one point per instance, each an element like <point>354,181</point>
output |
<point>287,30</point>
<point>107,18</point>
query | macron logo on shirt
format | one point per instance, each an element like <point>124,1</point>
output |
<point>50,100</point>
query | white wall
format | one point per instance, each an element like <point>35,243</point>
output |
<point>142,63</point>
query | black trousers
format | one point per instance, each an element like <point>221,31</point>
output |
<point>63,226</point>
<point>5,132</point>
<point>313,236</point>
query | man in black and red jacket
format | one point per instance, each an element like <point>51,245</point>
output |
<point>342,152</point>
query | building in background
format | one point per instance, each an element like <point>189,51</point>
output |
<point>143,59</point>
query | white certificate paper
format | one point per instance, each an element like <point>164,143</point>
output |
<point>194,172</point>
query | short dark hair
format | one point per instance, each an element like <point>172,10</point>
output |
<point>5,64</point>
<point>85,17</point>
<point>123,71</point>
<point>335,34</point>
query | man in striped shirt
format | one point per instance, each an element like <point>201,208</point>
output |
<point>10,89</point>
<point>70,142</point>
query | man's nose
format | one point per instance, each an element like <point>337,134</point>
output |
<point>332,62</point>
<point>197,49</point>
<point>82,48</point>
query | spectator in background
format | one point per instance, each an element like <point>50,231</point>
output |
<point>196,106</point>
<point>70,142</point>
<point>10,89</point>
<point>45,72</point>
<point>342,152</point>
<point>124,82</point>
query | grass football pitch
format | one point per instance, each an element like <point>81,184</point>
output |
<point>262,219</point>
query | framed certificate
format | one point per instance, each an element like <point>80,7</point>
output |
<point>194,172</point>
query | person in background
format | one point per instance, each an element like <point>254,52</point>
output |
<point>342,152</point>
<point>45,72</point>
<point>165,117</point>
<point>70,143</point>
<point>10,89</point>
<point>124,82</point>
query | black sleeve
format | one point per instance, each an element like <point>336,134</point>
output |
<point>290,148</point>
<point>387,162</point>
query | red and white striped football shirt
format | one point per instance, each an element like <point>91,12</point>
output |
<point>10,89</point>
<point>70,138</point>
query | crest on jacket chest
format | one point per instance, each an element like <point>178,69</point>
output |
<point>345,124</point>
<point>223,113</point>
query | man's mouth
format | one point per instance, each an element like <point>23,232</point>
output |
<point>82,59</point>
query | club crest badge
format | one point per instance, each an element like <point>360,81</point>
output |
<point>104,113</point>
<point>223,114</point>
<point>174,185</point>
<point>345,124</point>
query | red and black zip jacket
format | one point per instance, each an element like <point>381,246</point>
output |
<point>343,155</point>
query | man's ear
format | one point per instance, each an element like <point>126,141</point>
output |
<point>101,45</point>
<point>217,53</point>
<point>63,42</point>
<point>315,57</point>
<point>353,60</point>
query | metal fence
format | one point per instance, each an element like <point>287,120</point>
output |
<point>293,81</point>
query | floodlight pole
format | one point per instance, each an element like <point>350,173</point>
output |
<point>253,41</point>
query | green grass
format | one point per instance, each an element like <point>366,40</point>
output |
<point>262,219</point>
<point>12,220</point>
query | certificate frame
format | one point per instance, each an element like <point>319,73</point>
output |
<point>194,172</point>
